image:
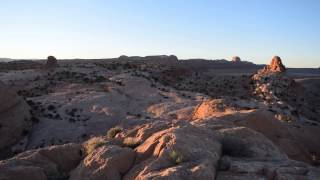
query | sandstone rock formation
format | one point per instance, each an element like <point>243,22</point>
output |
<point>281,92</point>
<point>51,63</point>
<point>156,117</point>
<point>271,84</point>
<point>284,137</point>
<point>275,66</point>
<point>42,164</point>
<point>177,150</point>
<point>14,117</point>
<point>272,87</point>
<point>209,108</point>
<point>110,161</point>
<point>176,153</point>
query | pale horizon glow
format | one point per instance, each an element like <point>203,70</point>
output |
<point>255,30</point>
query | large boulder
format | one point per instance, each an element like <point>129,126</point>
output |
<point>40,164</point>
<point>182,152</point>
<point>14,117</point>
<point>106,162</point>
<point>209,108</point>
<point>243,142</point>
<point>278,132</point>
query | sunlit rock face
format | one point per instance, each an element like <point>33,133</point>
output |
<point>275,66</point>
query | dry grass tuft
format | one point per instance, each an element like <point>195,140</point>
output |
<point>113,132</point>
<point>131,142</point>
<point>93,144</point>
<point>175,157</point>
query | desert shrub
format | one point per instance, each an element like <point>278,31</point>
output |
<point>113,132</point>
<point>100,78</point>
<point>93,144</point>
<point>175,157</point>
<point>131,142</point>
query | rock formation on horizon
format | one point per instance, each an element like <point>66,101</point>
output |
<point>236,59</point>
<point>51,62</point>
<point>275,66</point>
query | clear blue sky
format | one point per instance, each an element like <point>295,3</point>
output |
<point>252,29</point>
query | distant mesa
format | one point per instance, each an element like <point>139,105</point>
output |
<point>152,58</point>
<point>236,59</point>
<point>51,63</point>
<point>123,57</point>
<point>164,57</point>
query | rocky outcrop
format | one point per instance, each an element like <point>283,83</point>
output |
<point>14,117</point>
<point>244,169</point>
<point>41,164</point>
<point>275,66</point>
<point>106,162</point>
<point>272,87</point>
<point>209,108</point>
<point>285,96</point>
<point>243,142</point>
<point>177,153</point>
<point>187,151</point>
<point>236,59</point>
<point>51,63</point>
<point>180,150</point>
<point>276,89</point>
<point>266,123</point>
